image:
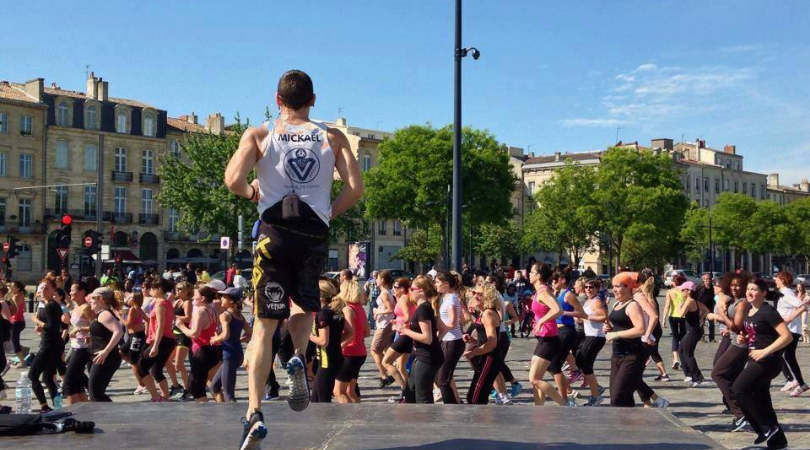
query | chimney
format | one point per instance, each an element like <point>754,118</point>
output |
<point>804,185</point>
<point>103,90</point>
<point>341,122</point>
<point>730,149</point>
<point>556,156</point>
<point>662,144</point>
<point>35,88</point>
<point>773,180</point>
<point>192,118</point>
<point>215,123</point>
<point>701,144</point>
<point>92,86</point>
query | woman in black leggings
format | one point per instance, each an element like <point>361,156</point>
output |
<point>484,355</point>
<point>51,347</point>
<point>692,311</point>
<point>106,332</point>
<point>672,305</point>
<point>327,336</point>
<point>625,328</point>
<point>205,357</point>
<point>766,335</point>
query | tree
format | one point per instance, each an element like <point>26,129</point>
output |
<point>771,230</point>
<point>799,214</point>
<point>410,183</point>
<point>732,215</point>
<point>639,187</point>
<point>566,219</point>
<point>422,246</point>
<point>499,240</point>
<point>350,225</point>
<point>695,233</point>
<point>193,184</point>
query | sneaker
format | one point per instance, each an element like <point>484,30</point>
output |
<point>299,387</point>
<point>594,401</point>
<point>571,402</point>
<point>771,433</point>
<point>676,365</point>
<point>760,439</point>
<point>789,386</point>
<point>271,394</point>
<point>140,390</point>
<point>5,370</point>
<point>697,383</point>
<point>738,424</point>
<point>185,396</point>
<point>663,378</point>
<point>45,409</point>
<point>799,390</point>
<point>395,399</point>
<point>602,390</point>
<point>254,431</point>
<point>576,376</point>
<point>660,402</point>
<point>503,399</point>
<point>565,367</point>
<point>493,395</point>
<point>385,382</point>
<point>174,390</point>
<point>687,380</point>
<point>159,399</point>
<point>516,389</point>
<point>777,440</point>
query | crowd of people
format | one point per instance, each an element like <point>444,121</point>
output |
<point>420,331</point>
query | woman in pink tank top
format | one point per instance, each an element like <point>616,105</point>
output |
<point>18,322</point>
<point>205,357</point>
<point>546,310</point>
<point>352,344</point>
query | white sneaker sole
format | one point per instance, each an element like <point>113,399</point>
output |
<point>255,437</point>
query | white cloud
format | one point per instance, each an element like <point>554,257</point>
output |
<point>593,123</point>
<point>744,48</point>
<point>645,67</point>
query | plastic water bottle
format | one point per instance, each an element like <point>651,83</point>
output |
<point>57,402</point>
<point>23,394</point>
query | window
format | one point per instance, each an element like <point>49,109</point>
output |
<point>745,187</point>
<point>91,157</point>
<point>174,219</point>
<point>26,125</point>
<point>174,148</point>
<point>397,228</point>
<point>705,202</point>
<point>366,163</point>
<point>92,118</point>
<point>381,228</point>
<point>26,166</point>
<point>61,161</point>
<point>120,200</point>
<point>725,185</point>
<point>736,187</point>
<point>121,122</point>
<point>736,165</point>
<point>120,159</point>
<point>149,125</point>
<point>3,123</point>
<point>697,184</point>
<point>717,185</point>
<point>25,212</point>
<point>147,165</point>
<point>146,201</point>
<point>2,211</point>
<point>62,114</point>
<point>531,188</point>
<point>3,163</point>
<point>706,184</point>
<point>60,199</point>
<point>753,190</point>
<point>90,198</point>
<point>24,259</point>
<point>762,191</point>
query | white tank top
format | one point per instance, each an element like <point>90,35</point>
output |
<point>297,159</point>
<point>592,328</point>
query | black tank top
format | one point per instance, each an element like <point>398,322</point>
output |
<point>693,320</point>
<point>99,334</point>
<point>620,321</point>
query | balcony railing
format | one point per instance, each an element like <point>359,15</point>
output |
<point>16,228</point>
<point>122,176</point>
<point>77,214</point>
<point>179,236</point>
<point>148,219</point>
<point>118,217</point>
<point>149,178</point>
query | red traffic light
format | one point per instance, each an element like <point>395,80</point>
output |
<point>67,220</point>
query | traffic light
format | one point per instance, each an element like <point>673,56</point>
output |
<point>94,238</point>
<point>14,247</point>
<point>63,236</point>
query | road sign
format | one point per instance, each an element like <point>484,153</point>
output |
<point>224,242</point>
<point>6,246</point>
<point>88,242</point>
<point>62,252</point>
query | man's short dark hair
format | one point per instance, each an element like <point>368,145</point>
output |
<point>295,89</point>
<point>347,274</point>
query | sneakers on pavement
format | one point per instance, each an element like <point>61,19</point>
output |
<point>254,431</point>
<point>594,401</point>
<point>799,390</point>
<point>664,378</point>
<point>299,386</point>
<point>140,390</point>
<point>789,386</point>
<point>738,424</point>
<point>516,389</point>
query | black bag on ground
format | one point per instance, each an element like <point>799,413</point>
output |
<point>20,424</point>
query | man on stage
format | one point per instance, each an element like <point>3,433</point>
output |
<point>295,159</point>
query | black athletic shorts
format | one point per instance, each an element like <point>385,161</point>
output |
<point>568,342</point>
<point>287,267</point>
<point>351,368</point>
<point>181,339</point>
<point>402,344</point>
<point>547,347</point>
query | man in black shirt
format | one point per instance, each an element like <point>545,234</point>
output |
<point>705,295</point>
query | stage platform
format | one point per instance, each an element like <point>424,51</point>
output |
<point>374,426</point>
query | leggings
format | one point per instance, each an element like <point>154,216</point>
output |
<point>154,366</point>
<point>487,367</point>
<point>751,389</point>
<point>3,363</point>
<point>203,360</point>
<point>644,391</point>
<point>45,363</point>
<point>625,376</point>
<point>324,383</point>
<point>420,384</point>
<point>687,351</point>
<point>225,379</point>
<point>452,351</point>
<point>75,378</point>
<point>503,349</point>
<point>16,330</point>
<point>677,326</point>
<point>791,367</point>
<point>725,343</point>
<point>101,375</point>
<point>272,383</point>
<point>725,371</point>
<point>589,349</point>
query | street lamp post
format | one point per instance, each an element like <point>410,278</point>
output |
<point>458,54</point>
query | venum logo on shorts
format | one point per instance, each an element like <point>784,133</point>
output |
<point>301,165</point>
<point>274,292</point>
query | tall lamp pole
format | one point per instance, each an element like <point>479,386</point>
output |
<point>459,53</point>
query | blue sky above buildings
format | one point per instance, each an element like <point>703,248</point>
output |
<point>555,76</point>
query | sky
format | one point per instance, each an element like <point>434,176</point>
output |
<point>563,76</point>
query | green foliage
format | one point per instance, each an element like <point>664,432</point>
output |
<point>771,230</point>
<point>499,240</point>
<point>732,215</point>
<point>695,233</point>
<point>640,187</point>
<point>566,219</point>
<point>799,214</point>
<point>351,225</point>
<point>193,184</point>
<point>422,246</point>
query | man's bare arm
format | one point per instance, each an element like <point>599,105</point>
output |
<point>349,172</point>
<point>243,161</point>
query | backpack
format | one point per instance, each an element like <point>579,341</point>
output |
<point>20,424</point>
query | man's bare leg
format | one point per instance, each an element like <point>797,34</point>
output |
<point>300,327</point>
<point>260,361</point>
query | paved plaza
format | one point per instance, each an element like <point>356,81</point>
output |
<point>699,408</point>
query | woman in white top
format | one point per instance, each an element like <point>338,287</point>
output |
<point>804,296</point>
<point>449,326</point>
<point>790,307</point>
<point>384,317</point>
<point>589,348</point>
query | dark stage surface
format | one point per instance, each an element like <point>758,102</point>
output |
<point>374,426</point>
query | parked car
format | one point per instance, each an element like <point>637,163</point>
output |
<point>803,278</point>
<point>689,274</point>
<point>769,281</point>
<point>247,273</point>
